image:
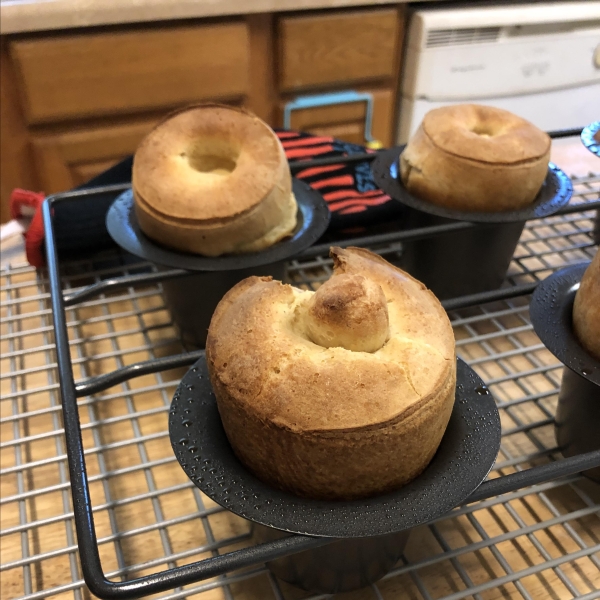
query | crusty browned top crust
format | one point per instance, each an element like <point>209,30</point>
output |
<point>475,158</point>
<point>213,179</point>
<point>259,349</point>
<point>586,308</point>
<point>485,134</point>
<point>164,174</point>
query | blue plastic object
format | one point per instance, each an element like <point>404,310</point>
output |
<point>330,99</point>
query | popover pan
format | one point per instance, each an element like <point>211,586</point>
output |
<point>471,260</point>
<point>577,423</point>
<point>373,531</point>
<point>590,136</point>
<point>193,298</point>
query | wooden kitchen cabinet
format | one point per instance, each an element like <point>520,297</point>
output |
<point>16,166</point>
<point>66,160</point>
<point>76,102</point>
<point>91,75</point>
<point>337,48</point>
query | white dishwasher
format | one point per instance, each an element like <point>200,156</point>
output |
<point>540,61</point>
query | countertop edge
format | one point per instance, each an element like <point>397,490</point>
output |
<point>18,16</point>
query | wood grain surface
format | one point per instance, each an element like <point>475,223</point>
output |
<point>66,159</point>
<point>15,150</point>
<point>73,76</point>
<point>326,49</point>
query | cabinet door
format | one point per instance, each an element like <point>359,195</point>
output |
<point>337,47</point>
<point>71,76</point>
<point>347,121</point>
<point>16,169</point>
<point>66,160</point>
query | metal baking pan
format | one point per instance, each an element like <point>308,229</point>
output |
<point>578,412</point>
<point>193,298</point>
<point>104,582</point>
<point>473,260</point>
<point>373,529</point>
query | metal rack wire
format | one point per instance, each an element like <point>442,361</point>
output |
<point>542,541</point>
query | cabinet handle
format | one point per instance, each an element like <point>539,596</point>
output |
<point>316,100</point>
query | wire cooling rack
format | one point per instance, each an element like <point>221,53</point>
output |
<point>538,542</point>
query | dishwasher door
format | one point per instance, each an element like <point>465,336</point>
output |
<point>570,108</point>
<point>539,61</point>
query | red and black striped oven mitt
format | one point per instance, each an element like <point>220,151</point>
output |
<point>355,202</point>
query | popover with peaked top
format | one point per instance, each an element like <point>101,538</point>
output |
<point>475,158</point>
<point>586,308</point>
<point>336,394</point>
<point>212,180</point>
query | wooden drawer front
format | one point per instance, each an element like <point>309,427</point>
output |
<point>334,48</point>
<point>88,75</point>
<point>65,160</point>
<point>347,121</point>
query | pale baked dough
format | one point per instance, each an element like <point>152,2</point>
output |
<point>475,158</point>
<point>586,308</point>
<point>339,394</point>
<point>211,180</point>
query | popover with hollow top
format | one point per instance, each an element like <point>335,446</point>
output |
<point>211,180</point>
<point>475,158</point>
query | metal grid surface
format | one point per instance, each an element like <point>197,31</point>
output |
<point>536,543</point>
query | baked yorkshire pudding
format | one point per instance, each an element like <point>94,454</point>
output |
<point>586,308</point>
<point>336,394</point>
<point>475,158</point>
<point>211,180</point>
